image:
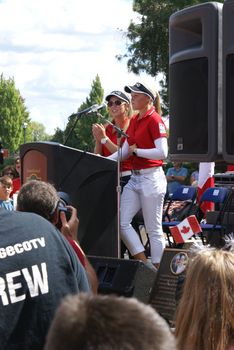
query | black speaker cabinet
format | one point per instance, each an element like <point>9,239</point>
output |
<point>228,81</point>
<point>195,88</point>
<point>90,181</point>
<point>129,278</point>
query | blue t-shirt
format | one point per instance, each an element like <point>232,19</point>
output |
<point>173,185</point>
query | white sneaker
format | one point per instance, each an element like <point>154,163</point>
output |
<point>151,266</point>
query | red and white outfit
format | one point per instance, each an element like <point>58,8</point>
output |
<point>126,165</point>
<point>147,186</point>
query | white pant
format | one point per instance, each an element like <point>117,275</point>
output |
<point>144,192</point>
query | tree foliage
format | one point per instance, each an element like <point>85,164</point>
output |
<point>58,136</point>
<point>78,132</point>
<point>13,114</point>
<point>148,38</point>
<point>36,132</point>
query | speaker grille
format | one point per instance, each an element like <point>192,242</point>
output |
<point>129,278</point>
<point>189,107</point>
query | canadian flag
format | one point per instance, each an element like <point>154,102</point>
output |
<point>185,229</point>
<point>205,180</point>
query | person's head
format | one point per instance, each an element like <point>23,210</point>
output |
<point>39,197</point>
<point>143,96</point>
<point>205,315</point>
<point>5,187</point>
<point>177,165</point>
<point>17,165</point>
<point>118,104</point>
<point>182,259</point>
<point>9,170</point>
<point>104,322</point>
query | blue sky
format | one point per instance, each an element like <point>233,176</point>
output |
<point>55,48</point>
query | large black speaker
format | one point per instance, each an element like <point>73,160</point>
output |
<point>90,181</point>
<point>129,278</point>
<point>228,81</point>
<point>195,86</point>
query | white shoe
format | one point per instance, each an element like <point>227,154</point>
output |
<point>151,266</point>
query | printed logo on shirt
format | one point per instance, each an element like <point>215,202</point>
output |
<point>36,278</point>
<point>162,128</point>
<point>19,248</point>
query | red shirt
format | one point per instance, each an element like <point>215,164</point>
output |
<point>77,250</point>
<point>112,134</point>
<point>16,185</point>
<point>230,167</point>
<point>143,132</point>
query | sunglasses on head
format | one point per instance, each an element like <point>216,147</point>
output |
<point>117,103</point>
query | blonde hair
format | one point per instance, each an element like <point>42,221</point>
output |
<point>205,315</point>
<point>157,104</point>
<point>129,111</point>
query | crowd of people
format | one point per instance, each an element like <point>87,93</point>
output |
<point>49,289</point>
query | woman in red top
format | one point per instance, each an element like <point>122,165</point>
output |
<point>147,143</point>
<point>106,136</point>
<point>16,180</point>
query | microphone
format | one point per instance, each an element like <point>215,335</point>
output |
<point>94,108</point>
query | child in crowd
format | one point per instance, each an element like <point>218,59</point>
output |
<point>5,190</point>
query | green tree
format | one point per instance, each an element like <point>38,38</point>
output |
<point>59,136</point>
<point>13,114</point>
<point>148,38</point>
<point>37,132</point>
<point>81,136</point>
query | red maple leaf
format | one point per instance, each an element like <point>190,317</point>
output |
<point>185,229</point>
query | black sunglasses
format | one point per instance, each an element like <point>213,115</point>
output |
<point>117,103</point>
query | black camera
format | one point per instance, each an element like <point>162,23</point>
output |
<point>63,202</point>
<point>67,211</point>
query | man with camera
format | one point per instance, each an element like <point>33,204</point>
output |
<point>42,198</point>
<point>38,269</point>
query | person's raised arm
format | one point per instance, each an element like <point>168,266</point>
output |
<point>99,133</point>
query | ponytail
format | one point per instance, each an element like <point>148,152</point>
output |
<point>157,104</point>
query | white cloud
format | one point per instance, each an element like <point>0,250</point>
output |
<point>55,48</point>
